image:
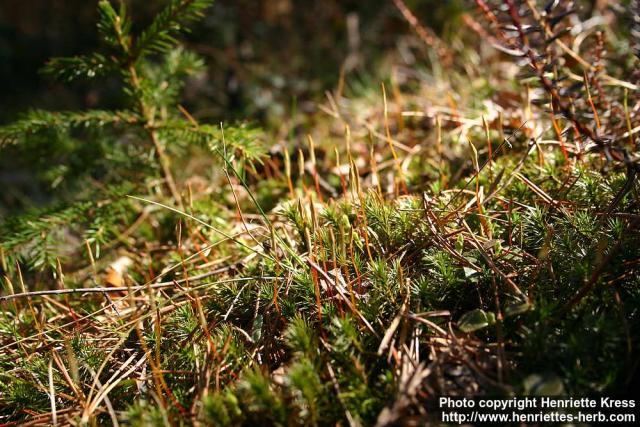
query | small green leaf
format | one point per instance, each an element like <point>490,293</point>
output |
<point>460,244</point>
<point>544,385</point>
<point>256,333</point>
<point>474,320</point>
<point>469,272</point>
<point>516,308</point>
<point>491,318</point>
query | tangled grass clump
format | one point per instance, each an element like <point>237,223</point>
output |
<point>465,229</point>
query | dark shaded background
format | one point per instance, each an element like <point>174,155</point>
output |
<point>261,53</point>
<point>264,58</point>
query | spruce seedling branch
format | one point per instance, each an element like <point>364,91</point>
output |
<point>158,38</point>
<point>151,68</point>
